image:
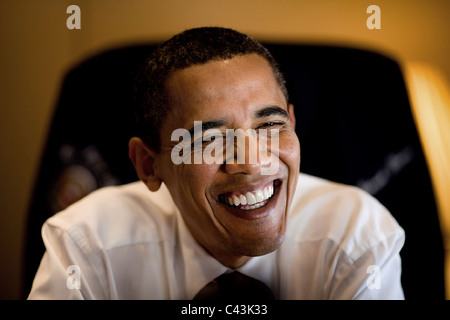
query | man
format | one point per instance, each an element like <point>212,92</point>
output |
<point>249,210</point>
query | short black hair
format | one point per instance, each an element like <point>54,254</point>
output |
<point>192,47</point>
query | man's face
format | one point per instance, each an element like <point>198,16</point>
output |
<point>240,93</point>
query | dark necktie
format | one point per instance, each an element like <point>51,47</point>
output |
<point>235,286</point>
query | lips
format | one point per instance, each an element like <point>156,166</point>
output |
<point>249,200</point>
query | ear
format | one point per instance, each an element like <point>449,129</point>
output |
<point>143,159</point>
<point>291,113</point>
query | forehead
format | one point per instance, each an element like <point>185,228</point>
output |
<point>222,88</point>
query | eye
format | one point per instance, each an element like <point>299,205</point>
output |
<point>212,137</point>
<point>270,124</point>
<point>209,138</point>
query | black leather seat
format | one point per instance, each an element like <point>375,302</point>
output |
<point>354,123</point>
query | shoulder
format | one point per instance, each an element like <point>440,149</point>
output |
<point>118,215</point>
<point>347,216</point>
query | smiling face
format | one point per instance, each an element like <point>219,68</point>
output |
<point>233,210</point>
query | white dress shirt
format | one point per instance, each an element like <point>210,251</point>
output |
<point>126,242</point>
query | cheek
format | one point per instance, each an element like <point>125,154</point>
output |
<point>198,174</point>
<point>192,199</point>
<point>289,151</point>
<point>194,179</point>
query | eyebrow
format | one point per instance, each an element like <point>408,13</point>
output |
<point>208,125</point>
<point>263,113</point>
<point>271,111</point>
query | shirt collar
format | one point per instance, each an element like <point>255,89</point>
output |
<point>201,268</point>
<point>263,268</point>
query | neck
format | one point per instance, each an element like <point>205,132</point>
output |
<point>232,262</point>
<point>227,258</point>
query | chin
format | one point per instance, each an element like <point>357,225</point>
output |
<point>254,248</point>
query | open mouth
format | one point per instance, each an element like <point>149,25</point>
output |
<point>249,200</point>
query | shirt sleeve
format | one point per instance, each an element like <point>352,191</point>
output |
<point>375,275</point>
<point>65,272</point>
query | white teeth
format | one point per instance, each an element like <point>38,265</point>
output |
<point>259,196</point>
<point>252,200</point>
<point>266,193</point>
<point>236,201</point>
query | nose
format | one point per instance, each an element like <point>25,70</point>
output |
<point>246,155</point>
<point>244,168</point>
